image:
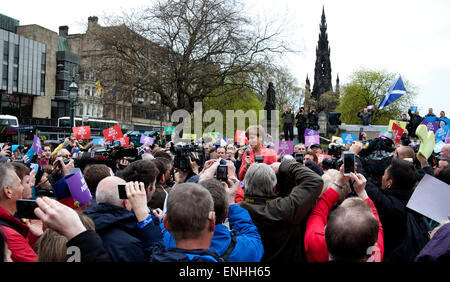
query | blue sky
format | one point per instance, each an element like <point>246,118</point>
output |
<point>411,38</point>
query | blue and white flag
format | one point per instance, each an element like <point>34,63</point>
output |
<point>394,92</point>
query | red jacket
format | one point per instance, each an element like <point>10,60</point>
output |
<point>19,238</point>
<point>269,158</point>
<point>315,245</point>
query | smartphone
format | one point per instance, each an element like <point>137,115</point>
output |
<point>259,159</point>
<point>299,157</point>
<point>222,173</point>
<point>122,191</point>
<point>25,209</point>
<point>349,162</point>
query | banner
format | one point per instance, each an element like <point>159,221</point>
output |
<point>284,147</point>
<point>397,133</point>
<point>402,124</point>
<point>168,130</point>
<point>37,146</point>
<point>82,132</point>
<point>146,140</point>
<point>431,126</point>
<point>123,141</point>
<point>112,133</point>
<point>78,189</point>
<point>348,138</point>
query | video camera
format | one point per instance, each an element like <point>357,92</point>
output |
<point>184,155</point>
<point>107,156</point>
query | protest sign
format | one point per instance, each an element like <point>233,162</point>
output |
<point>284,147</point>
<point>82,132</point>
<point>146,140</point>
<point>98,141</point>
<point>37,146</point>
<point>348,138</point>
<point>430,198</point>
<point>78,189</point>
<point>431,126</point>
<point>320,157</point>
<point>414,109</point>
<point>123,141</point>
<point>442,133</point>
<point>384,133</point>
<point>311,137</point>
<point>112,133</point>
<point>168,130</point>
<point>397,133</point>
<point>189,136</point>
<point>239,137</point>
<point>402,124</point>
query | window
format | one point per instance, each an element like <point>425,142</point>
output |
<point>16,54</point>
<point>80,109</point>
<point>43,62</point>
<point>42,83</point>
<point>16,77</point>
<point>5,51</point>
<point>86,91</point>
<point>88,110</point>
<point>5,75</point>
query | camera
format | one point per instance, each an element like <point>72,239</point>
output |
<point>183,156</point>
<point>299,157</point>
<point>259,159</point>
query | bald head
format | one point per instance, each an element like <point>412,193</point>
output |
<point>107,191</point>
<point>404,152</point>
<point>351,229</point>
<point>445,152</point>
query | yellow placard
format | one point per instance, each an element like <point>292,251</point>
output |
<point>189,136</point>
<point>402,124</point>
<point>337,139</point>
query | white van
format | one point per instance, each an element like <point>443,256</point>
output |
<point>9,120</point>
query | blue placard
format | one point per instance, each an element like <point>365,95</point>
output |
<point>414,109</point>
<point>30,154</point>
<point>441,133</point>
<point>348,138</point>
<point>98,141</point>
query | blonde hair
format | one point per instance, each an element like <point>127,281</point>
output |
<point>51,246</point>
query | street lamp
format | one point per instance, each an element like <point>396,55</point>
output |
<point>73,93</point>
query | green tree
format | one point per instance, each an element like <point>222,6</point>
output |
<point>368,87</point>
<point>244,100</point>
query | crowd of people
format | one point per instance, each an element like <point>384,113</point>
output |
<point>221,203</point>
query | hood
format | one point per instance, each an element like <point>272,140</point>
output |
<point>107,216</point>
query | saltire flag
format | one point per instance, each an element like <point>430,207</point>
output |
<point>99,87</point>
<point>394,92</point>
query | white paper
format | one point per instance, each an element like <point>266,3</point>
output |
<point>431,198</point>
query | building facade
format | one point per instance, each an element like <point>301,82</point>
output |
<point>24,72</point>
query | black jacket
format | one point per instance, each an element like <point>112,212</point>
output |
<point>118,229</point>
<point>391,207</point>
<point>301,120</point>
<point>91,247</point>
<point>281,222</point>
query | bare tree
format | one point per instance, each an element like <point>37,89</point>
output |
<point>185,50</point>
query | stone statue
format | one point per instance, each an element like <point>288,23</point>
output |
<point>270,101</point>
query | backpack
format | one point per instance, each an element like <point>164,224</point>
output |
<point>415,239</point>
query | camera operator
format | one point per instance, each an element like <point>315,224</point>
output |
<point>279,210</point>
<point>313,119</point>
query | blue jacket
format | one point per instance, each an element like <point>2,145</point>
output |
<point>248,247</point>
<point>156,252</point>
<point>118,230</point>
